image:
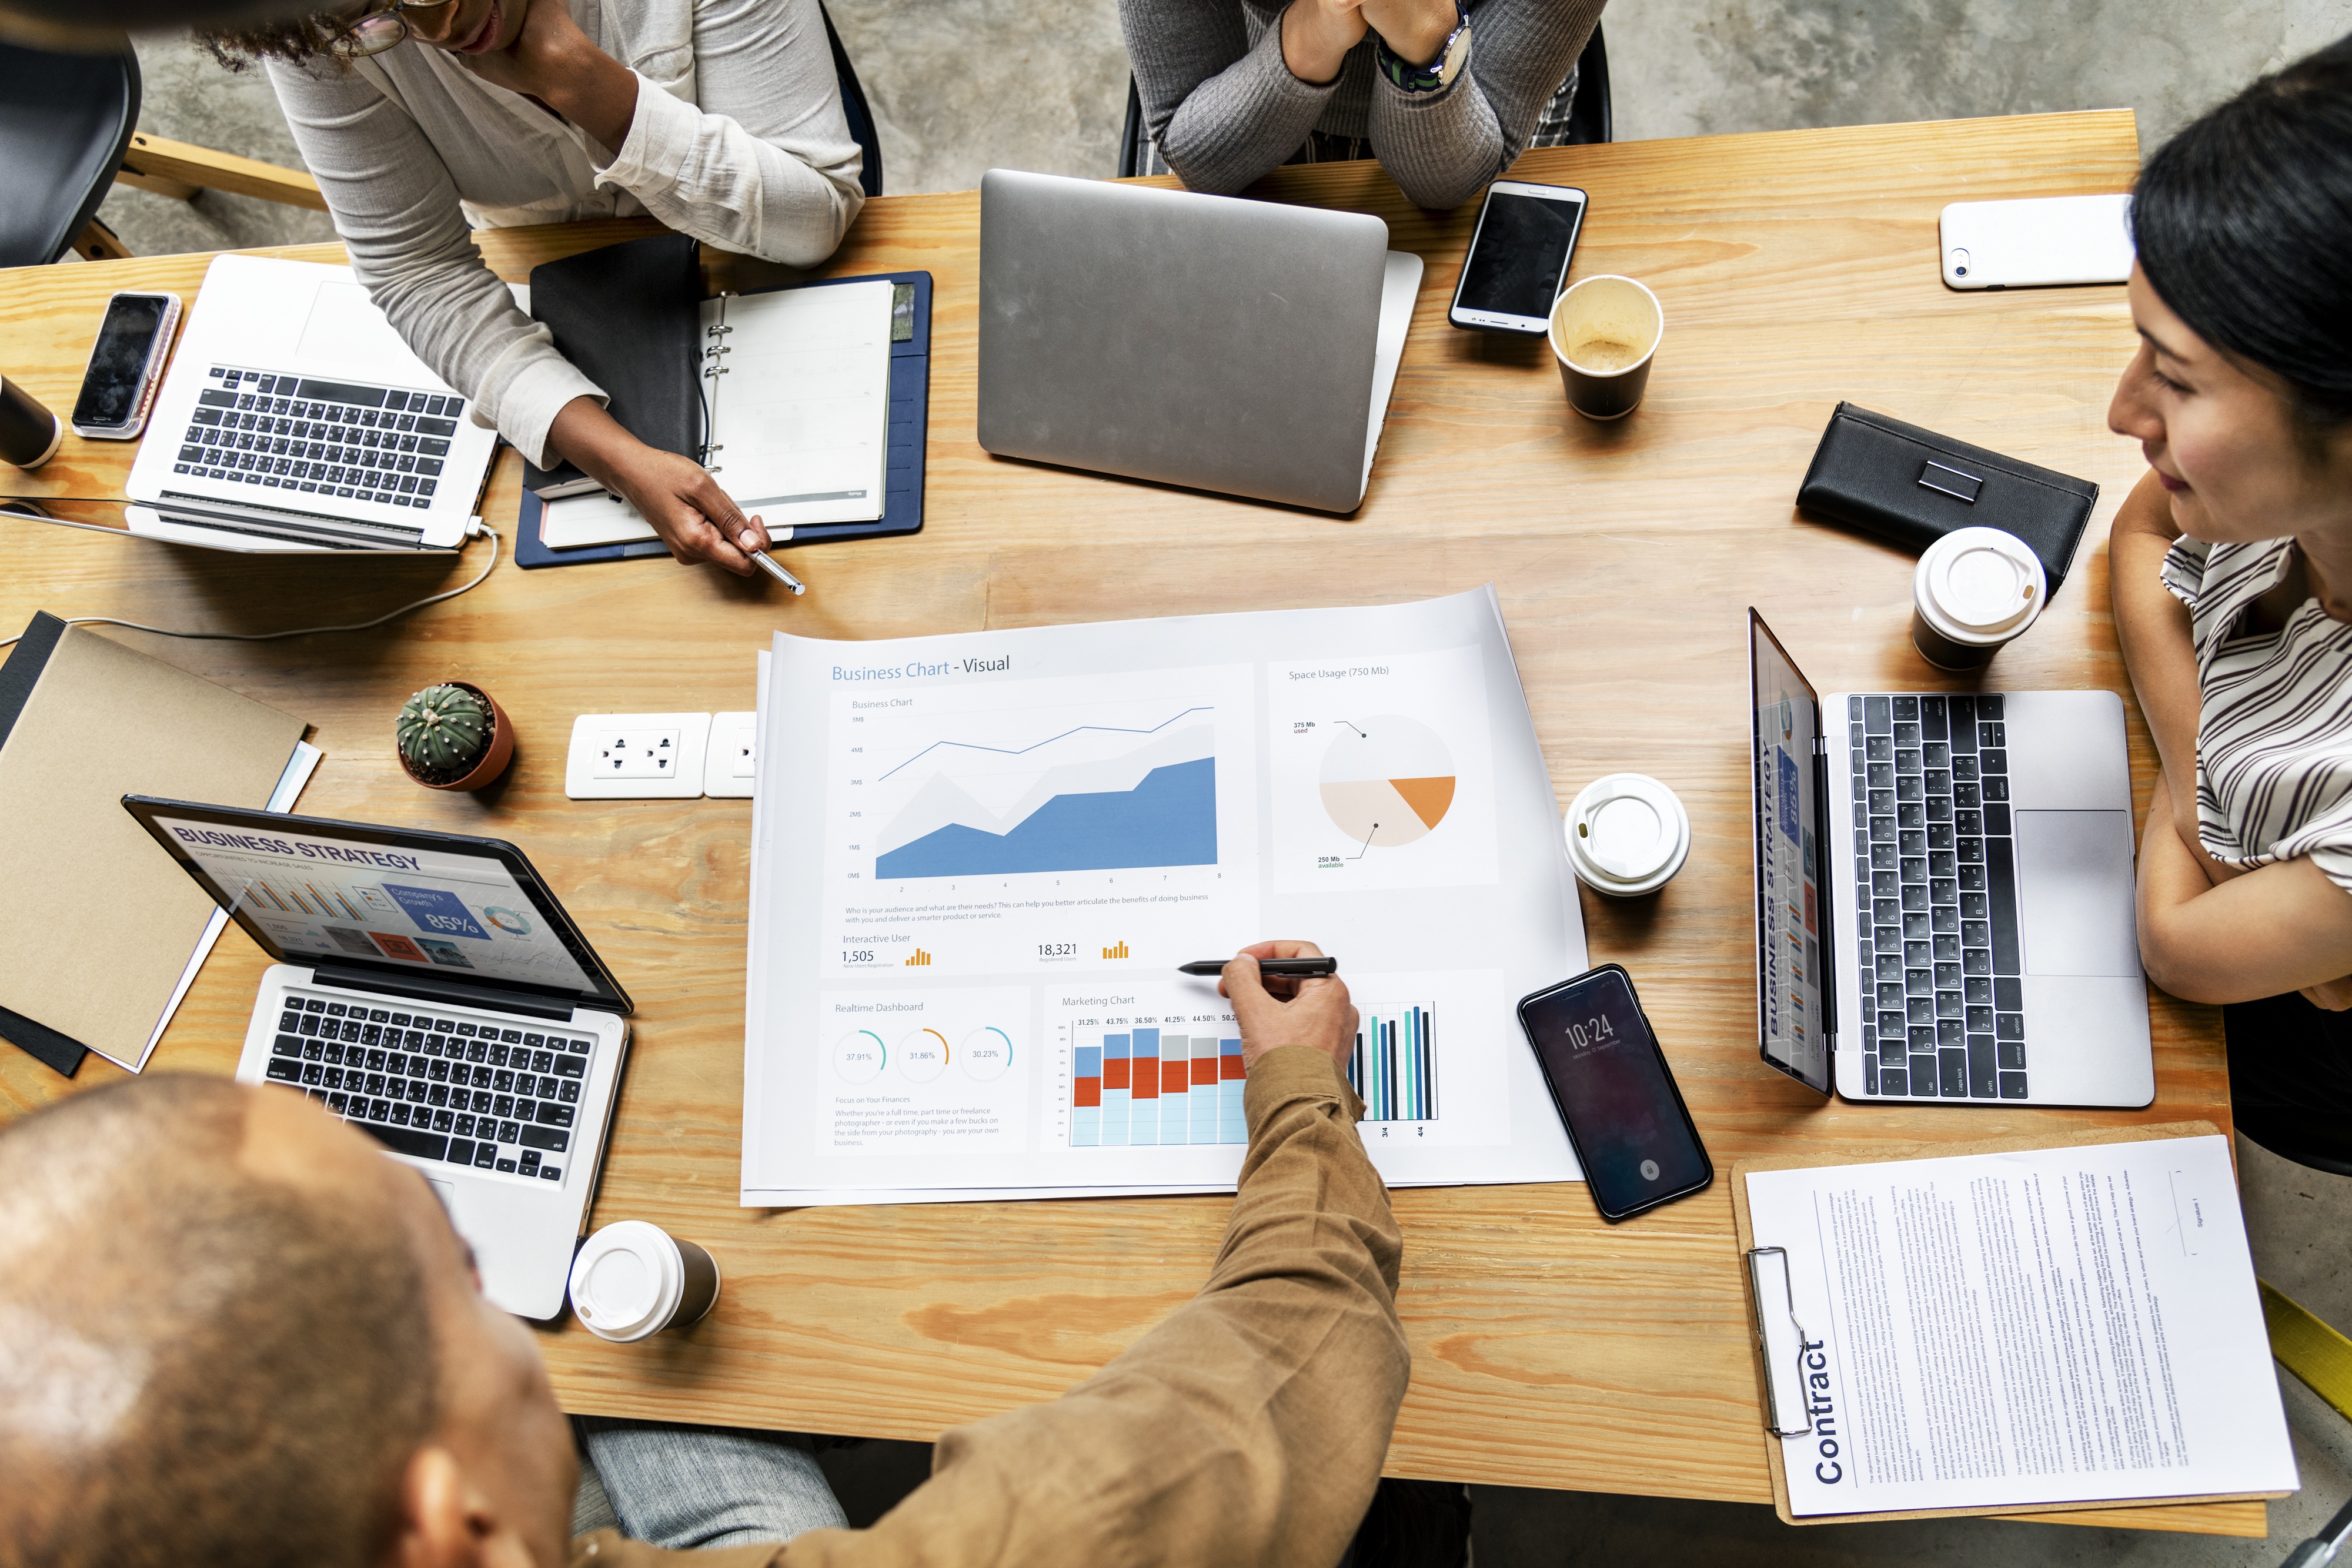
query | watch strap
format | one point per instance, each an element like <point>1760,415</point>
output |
<point>1409,78</point>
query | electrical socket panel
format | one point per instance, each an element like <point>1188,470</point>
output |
<point>638,755</point>
<point>727,772</point>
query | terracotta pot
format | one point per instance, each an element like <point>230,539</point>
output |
<point>494,761</point>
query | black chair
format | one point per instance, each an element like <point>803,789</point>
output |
<point>1589,117</point>
<point>854,105</point>
<point>65,120</point>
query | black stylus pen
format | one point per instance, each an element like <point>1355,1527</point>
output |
<point>1273,968</point>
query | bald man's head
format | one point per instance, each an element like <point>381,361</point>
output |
<point>212,1349</point>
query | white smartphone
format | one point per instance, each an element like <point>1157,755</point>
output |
<point>126,366</point>
<point>2038,243</point>
<point>1518,258</point>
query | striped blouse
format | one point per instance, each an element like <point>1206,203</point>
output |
<point>2274,719</point>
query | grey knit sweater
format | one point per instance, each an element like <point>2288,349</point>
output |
<point>1225,109</point>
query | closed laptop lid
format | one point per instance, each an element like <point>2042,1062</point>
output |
<point>397,903</point>
<point>1201,340</point>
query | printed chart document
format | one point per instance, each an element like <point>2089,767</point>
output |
<point>2002,1330</point>
<point>978,860</point>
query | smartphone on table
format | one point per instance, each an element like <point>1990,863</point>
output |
<point>1610,1083</point>
<point>1518,258</point>
<point>2037,243</point>
<point>126,366</point>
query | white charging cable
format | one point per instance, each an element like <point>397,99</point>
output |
<point>474,526</point>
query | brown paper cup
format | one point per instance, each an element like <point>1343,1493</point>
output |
<point>1605,332</point>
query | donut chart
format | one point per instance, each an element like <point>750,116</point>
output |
<point>1387,780</point>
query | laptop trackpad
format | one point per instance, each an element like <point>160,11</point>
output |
<point>2074,893</point>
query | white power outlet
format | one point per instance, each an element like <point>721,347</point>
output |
<point>636,756</point>
<point>734,742</point>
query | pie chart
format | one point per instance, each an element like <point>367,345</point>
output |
<point>1387,780</point>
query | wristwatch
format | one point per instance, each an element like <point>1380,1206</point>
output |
<point>1439,73</point>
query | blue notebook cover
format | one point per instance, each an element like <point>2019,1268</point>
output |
<point>902,498</point>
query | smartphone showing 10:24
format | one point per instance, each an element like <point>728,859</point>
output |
<point>1626,1118</point>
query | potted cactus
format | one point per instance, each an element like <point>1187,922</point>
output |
<point>454,736</point>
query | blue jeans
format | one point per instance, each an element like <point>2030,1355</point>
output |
<point>685,1486</point>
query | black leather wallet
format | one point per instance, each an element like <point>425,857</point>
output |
<point>1914,486</point>
<point>627,316</point>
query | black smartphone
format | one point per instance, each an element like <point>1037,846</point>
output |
<point>126,365</point>
<point>1518,258</point>
<point>1610,1083</point>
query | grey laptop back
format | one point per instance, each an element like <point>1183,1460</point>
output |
<point>1201,340</point>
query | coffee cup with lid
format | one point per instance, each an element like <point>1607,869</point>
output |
<point>632,1280</point>
<point>1974,591</point>
<point>1627,835</point>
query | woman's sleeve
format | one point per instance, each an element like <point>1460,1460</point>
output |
<point>1443,147</point>
<point>765,165</point>
<point>1222,113</point>
<point>396,208</point>
<point>2184,569</point>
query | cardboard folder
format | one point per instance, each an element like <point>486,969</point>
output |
<point>98,923</point>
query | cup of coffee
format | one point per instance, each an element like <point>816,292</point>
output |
<point>1974,589</point>
<point>1627,835</point>
<point>29,433</point>
<point>1604,333</point>
<point>633,1279</point>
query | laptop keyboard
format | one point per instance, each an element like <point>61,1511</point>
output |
<point>360,443</point>
<point>1935,894</point>
<point>466,1092</point>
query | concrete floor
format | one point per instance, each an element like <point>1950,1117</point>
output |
<point>960,85</point>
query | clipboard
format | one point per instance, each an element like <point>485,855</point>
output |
<point>2253,1520</point>
<point>903,466</point>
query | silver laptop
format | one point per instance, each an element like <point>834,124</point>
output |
<point>294,418</point>
<point>1243,347</point>
<point>1943,893</point>
<point>430,990</point>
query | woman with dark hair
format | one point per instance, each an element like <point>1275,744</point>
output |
<point>2231,570</point>
<point>424,119</point>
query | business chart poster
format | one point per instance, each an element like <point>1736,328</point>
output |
<point>978,861</point>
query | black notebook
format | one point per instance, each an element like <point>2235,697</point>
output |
<point>626,316</point>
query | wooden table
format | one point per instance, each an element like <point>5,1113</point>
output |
<point>1549,1349</point>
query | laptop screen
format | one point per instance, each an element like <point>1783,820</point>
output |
<point>309,890</point>
<point>1791,906</point>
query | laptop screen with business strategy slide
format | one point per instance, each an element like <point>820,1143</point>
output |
<point>1793,906</point>
<point>385,900</point>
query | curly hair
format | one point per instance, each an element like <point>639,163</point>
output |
<point>295,39</point>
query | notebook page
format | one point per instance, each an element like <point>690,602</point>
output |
<point>800,418</point>
<point>2055,1325</point>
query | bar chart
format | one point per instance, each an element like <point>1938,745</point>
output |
<point>1146,1085</point>
<point>1394,1067</point>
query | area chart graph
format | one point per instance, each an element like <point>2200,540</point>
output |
<point>1170,819</point>
<point>1145,1085</point>
<point>1394,1067</point>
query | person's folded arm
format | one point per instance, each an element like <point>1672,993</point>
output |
<point>762,162</point>
<point>2152,626</point>
<point>1223,112</point>
<point>2284,926</point>
<point>1247,1429</point>
<point>1442,148</point>
<point>398,210</point>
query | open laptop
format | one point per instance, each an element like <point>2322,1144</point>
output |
<point>430,990</point>
<point>294,418</point>
<point>1943,893</point>
<point>1243,347</point>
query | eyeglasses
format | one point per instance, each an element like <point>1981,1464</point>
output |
<point>382,28</point>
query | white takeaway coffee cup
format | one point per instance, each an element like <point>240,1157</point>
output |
<point>1627,835</point>
<point>632,1280</point>
<point>1974,589</point>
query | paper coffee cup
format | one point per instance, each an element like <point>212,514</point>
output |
<point>1627,835</point>
<point>1974,589</point>
<point>29,433</point>
<point>1605,332</point>
<point>633,1279</point>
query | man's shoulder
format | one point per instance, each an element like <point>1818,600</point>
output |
<point>611,1549</point>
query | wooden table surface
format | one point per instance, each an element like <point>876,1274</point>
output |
<point>1796,269</point>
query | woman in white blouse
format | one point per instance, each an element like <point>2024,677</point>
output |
<point>720,118</point>
<point>2232,572</point>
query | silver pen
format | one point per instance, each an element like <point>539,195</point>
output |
<point>768,564</point>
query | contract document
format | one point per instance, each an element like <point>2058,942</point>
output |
<point>1997,1331</point>
<point>978,860</point>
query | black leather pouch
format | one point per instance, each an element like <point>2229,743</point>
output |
<point>1912,486</point>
